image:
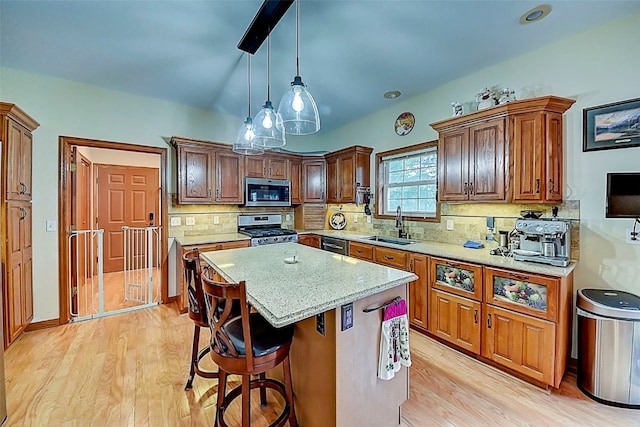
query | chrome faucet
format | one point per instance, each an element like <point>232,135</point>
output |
<point>399,223</point>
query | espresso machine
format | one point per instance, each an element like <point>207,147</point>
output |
<point>546,241</point>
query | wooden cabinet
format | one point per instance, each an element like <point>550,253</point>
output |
<point>522,343</point>
<point>472,162</point>
<point>208,173</point>
<point>361,251</point>
<point>418,295</point>
<point>460,278</point>
<point>16,129</point>
<point>390,257</point>
<point>295,176</point>
<point>511,152</point>
<point>265,166</point>
<point>312,240</point>
<point>229,172</point>
<point>456,320</point>
<point>313,181</point>
<point>347,170</point>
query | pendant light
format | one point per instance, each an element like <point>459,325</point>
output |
<point>267,124</point>
<point>245,141</point>
<point>298,109</point>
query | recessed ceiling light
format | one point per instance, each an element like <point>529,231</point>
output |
<point>392,94</point>
<point>535,14</point>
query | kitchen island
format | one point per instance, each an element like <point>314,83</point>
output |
<point>334,371</point>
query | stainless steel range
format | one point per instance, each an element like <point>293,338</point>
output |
<point>265,229</point>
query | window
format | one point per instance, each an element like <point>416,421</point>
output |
<point>409,181</point>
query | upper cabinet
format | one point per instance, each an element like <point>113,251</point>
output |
<point>266,166</point>
<point>208,173</point>
<point>295,175</point>
<point>508,153</point>
<point>16,134</point>
<point>313,180</point>
<point>347,170</point>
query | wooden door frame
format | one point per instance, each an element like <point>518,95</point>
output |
<point>65,144</point>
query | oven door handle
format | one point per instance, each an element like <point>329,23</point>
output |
<point>331,245</point>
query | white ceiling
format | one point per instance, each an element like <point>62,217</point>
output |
<point>351,51</point>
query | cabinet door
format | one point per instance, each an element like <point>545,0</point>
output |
<point>554,183</point>
<point>278,168</point>
<point>487,161</point>
<point>295,175</point>
<point>229,173</point>
<point>254,167</point>
<point>361,251</point>
<point>18,166</point>
<point>195,175</point>
<point>456,277</point>
<point>312,240</point>
<point>453,165</point>
<point>313,181</point>
<point>456,320</point>
<point>523,292</point>
<point>528,156</point>
<point>346,179</point>
<point>418,265</point>
<point>522,343</point>
<point>332,181</point>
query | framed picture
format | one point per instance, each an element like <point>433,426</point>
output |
<point>614,125</point>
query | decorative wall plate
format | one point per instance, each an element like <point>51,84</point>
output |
<point>404,123</point>
<point>338,221</point>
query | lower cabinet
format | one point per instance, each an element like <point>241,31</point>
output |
<point>519,342</point>
<point>456,320</point>
<point>418,295</point>
<point>312,240</point>
<point>361,251</point>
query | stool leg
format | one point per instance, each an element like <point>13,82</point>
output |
<point>194,357</point>
<point>246,400</point>
<point>288,385</point>
<point>222,391</point>
<point>263,391</point>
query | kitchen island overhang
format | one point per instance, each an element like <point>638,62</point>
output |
<point>334,372</point>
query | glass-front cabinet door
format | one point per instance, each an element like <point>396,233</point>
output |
<point>523,292</point>
<point>456,277</point>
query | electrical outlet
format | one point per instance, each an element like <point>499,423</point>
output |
<point>190,220</point>
<point>355,218</point>
<point>216,220</point>
<point>347,316</point>
<point>629,237</point>
<point>320,323</point>
<point>287,217</point>
<point>449,224</point>
<point>176,221</point>
<point>368,219</point>
<point>51,225</point>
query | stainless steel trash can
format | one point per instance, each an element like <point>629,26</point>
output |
<point>609,346</point>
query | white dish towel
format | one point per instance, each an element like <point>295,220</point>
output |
<point>394,340</point>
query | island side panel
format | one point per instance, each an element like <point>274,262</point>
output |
<point>313,371</point>
<point>362,398</point>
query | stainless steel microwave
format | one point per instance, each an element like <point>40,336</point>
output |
<point>267,192</point>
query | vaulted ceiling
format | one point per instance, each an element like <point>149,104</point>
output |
<point>351,51</point>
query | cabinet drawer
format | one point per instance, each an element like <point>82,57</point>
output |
<point>361,250</point>
<point>522,292</point>
<point>390,257</point>
<point>457,278</point>
<point>218,246</point>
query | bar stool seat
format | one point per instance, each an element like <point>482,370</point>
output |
<point>231,337</point>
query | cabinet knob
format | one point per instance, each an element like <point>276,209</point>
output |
<point>209,193</point>
<point>537,185</point>
<point>388,257</point>
<point>466,188</point>
<point>411,266</point>
<point>551,185</point>
<point>471,188</point>
<point>489,320</point>
<point>475,316</point>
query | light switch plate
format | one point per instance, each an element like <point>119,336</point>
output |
<point>347,316</point>
<point>190,220</point>
<point>449,224</point>
<point>51,225</point>
<point>216,220</point>
<point>287,217</point>
<point>320,323</point>
<point>175,221</point>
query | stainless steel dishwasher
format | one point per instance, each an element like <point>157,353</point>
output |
<point>332,244</point>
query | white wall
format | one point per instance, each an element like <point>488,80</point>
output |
<point>594,68</point>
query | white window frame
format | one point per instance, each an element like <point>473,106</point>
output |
<point>386,185</point>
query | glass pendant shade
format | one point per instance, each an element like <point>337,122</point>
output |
<point>245,143</point>
<point>268,128</point>
<point>298,110</point>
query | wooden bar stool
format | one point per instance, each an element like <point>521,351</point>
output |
<point>247,345</point>
<point>197,313</point>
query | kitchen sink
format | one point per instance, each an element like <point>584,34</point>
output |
<point>394,240</point>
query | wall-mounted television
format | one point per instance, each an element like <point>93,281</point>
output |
<point>623,195</point>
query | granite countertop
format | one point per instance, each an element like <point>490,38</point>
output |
<point>210,238</point>
<point>320,281</point>
<point>446,250</point>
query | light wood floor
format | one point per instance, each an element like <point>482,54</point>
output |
<point>129,370</point>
